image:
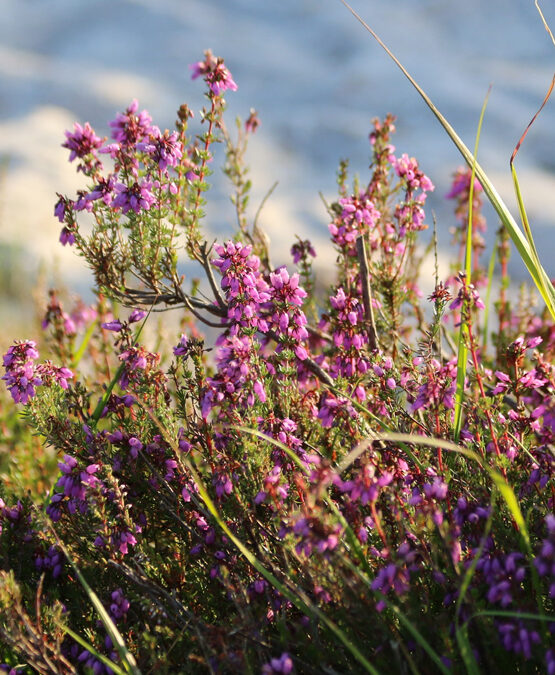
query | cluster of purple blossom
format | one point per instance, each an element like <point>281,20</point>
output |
<point>23,375</point>
<point>429,532</point>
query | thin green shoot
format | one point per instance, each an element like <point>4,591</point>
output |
<point>462,345</point>
<point>97,655</point>
<point>84,344</point>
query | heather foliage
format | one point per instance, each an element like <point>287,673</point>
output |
<point>291,498</point>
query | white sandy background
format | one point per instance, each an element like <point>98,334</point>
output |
<point>315,77</point>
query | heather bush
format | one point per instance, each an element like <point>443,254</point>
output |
<point>294,494</point>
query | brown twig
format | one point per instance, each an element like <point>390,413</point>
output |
<point>367,294</point>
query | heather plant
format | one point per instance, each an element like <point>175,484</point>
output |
<point>294,495</point>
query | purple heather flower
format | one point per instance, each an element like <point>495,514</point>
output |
<point>21,374</point>
<point>165,149</point>
<point>119,605</point>
<point>62,207</point>
<point>51,560</point>
<point>82,142</point>
<point>115,325</point>
<point>122,540</point>
<point>301,250</point>
<point>135,446</point>
<point>129,127</point>
<point>252,122</point>
<point>283,665</point>
<point>136,197</point>
<point>136,315</point>
<point>103,190</point>
<point>391,578</point>
<point>67,237</point>
<point>136,359</point>
<point>467,292</point>
<point>182,349</point>
<point>461,183</point>
<point>438,387</point>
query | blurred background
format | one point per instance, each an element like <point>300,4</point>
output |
<point>316,79</point>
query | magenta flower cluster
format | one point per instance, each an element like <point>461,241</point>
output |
<point>295,497</point>
<point>22,376</point>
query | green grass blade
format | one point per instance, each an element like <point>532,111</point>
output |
<point>523,216</point>
<point>546,283</point>
<point>93,421</point>
<point>84,344</point>
<point>465,650</point>
<point>498,480</point>
<point>419,638</point>
<point>97,655</point>
<point>514,615</point>
<point>536,271</point>
<point>468,248</point>
<point>462,349</point>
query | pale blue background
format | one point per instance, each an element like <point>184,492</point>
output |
<point>316,78</point>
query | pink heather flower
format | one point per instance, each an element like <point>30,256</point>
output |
<point>286,288</point>
<point>253,122</point>
<point>129,127</point>
<point>214,72</point>
<point>21,376</point>
<point>461,183</point>
<point>407,169</point>
<point>82,142</point>
<point>358,216</point>
<point>258,389</point>
<point>244,287</point>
